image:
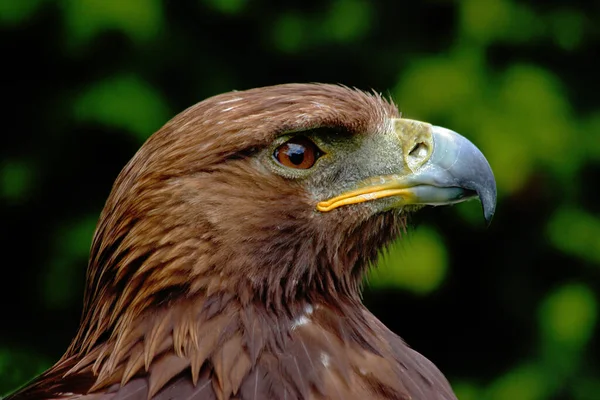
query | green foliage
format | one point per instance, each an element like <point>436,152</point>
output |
<point>63,273</point>
<point>289,32</point>
<point>576,232</point>
<point>123,101</point>
<point>346,20</point>
<point>567,318</point>
<point>18,366</point>
<point>524,382</point>
<point>586,388</point>
<point>466,390</point>
<point>417,263</point>
<point>485,20</point>
<point>499,20</point>
<point>15,12</point>
<point>567,28</point>
<point>439,86</point>
<point>227,6</point>
<point>16,179</point>
<point>141,20</point>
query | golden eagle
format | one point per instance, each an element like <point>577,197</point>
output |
<point>228,260</point>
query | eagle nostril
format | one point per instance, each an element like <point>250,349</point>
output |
<point>418,154</point>
<point>419,150</point>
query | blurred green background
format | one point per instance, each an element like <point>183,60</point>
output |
<point>508,312</point>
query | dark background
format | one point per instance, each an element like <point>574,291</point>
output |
<point>508,312</point>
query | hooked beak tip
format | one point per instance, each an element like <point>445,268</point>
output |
<point>460,163</point>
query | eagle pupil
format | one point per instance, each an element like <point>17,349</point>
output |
<point>296,153</point>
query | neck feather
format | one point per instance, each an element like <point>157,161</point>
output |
<point>220,333</point>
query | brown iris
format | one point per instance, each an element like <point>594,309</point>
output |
<point>298,152</point>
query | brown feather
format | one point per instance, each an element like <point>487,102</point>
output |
<point>163,370</point>
<point>156,336</point>
<point>134,363</point>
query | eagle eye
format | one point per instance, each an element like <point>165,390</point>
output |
<point>299,152</point>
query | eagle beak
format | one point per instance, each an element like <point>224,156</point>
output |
<point>449,169</point>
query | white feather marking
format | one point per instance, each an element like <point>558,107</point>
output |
<point>303,319</point>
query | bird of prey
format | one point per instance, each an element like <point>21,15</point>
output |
<point>227,262</point>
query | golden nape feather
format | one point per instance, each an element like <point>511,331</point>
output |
<point>227,262</point>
